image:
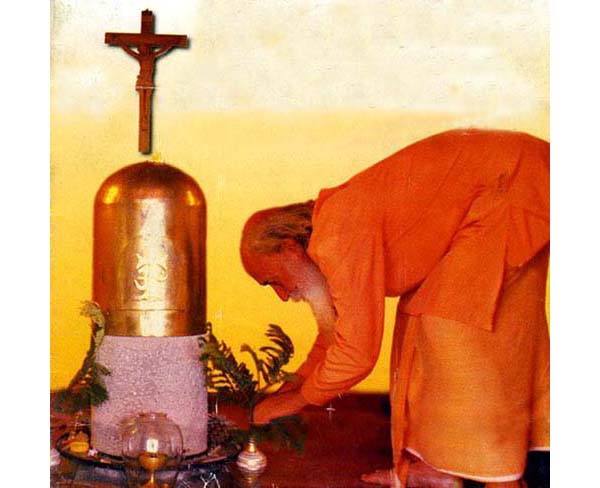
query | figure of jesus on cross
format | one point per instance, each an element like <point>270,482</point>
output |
<point>150,46</point>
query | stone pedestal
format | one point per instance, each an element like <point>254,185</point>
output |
<point>152,374</point>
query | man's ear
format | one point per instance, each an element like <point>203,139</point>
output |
<point>293,246</point>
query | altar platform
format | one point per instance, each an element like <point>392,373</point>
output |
<point>343,442</point>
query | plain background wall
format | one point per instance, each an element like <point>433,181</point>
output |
<point>272,101</point>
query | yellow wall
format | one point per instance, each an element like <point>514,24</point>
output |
<point>273,101</point>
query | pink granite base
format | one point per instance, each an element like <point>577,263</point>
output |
<point>152,374</point>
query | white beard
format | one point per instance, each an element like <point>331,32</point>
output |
<point>318,297</point>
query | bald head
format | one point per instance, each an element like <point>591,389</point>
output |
<point>273,249</point>
<point>267,231</point>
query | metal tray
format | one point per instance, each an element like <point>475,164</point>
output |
<point>217,456</point>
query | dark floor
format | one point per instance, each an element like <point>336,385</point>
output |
<point>353,440</point>
<point>341,445</point>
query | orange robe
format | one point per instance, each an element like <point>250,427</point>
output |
<point>452,224</point>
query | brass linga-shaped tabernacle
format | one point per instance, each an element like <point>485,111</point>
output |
<point>150,252</point>
<point>152,462</point>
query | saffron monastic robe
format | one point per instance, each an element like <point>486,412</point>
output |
<point>457,225</point>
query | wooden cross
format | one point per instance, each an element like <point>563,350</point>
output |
<point>149,47</point>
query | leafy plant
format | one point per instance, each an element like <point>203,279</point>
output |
<point>87,386</point>
<point>233,382</point>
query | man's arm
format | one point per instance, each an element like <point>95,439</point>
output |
<point>357,283</point>
<point>352,260</point>
<point>314,357</point>
<point>288,400</point>
<point>279,405</point>
<point>316,354</point>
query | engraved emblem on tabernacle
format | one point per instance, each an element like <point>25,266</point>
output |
<point>151,277</point>
<point>151,270</point>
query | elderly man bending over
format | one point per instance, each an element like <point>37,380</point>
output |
<point>457,225</point>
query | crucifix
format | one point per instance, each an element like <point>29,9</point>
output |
<point>149,47</point>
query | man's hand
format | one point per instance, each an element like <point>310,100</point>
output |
<point>278,405</point>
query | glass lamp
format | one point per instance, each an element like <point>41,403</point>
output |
<point>152,450</point>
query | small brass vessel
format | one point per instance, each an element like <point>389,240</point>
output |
<point>251,461</point>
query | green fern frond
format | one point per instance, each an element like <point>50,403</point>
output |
<point>258,363</point>
<point>233,382</point>
<point>278,354</point>
<point>223,371</point>
<point>93,311</point>
<point>87,387</point>
<point>287,432</point>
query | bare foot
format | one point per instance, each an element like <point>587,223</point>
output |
<point>380,477</point>
<point>420,475</point>
<point>507,484</point>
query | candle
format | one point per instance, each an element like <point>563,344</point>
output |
<point>152,445</point>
